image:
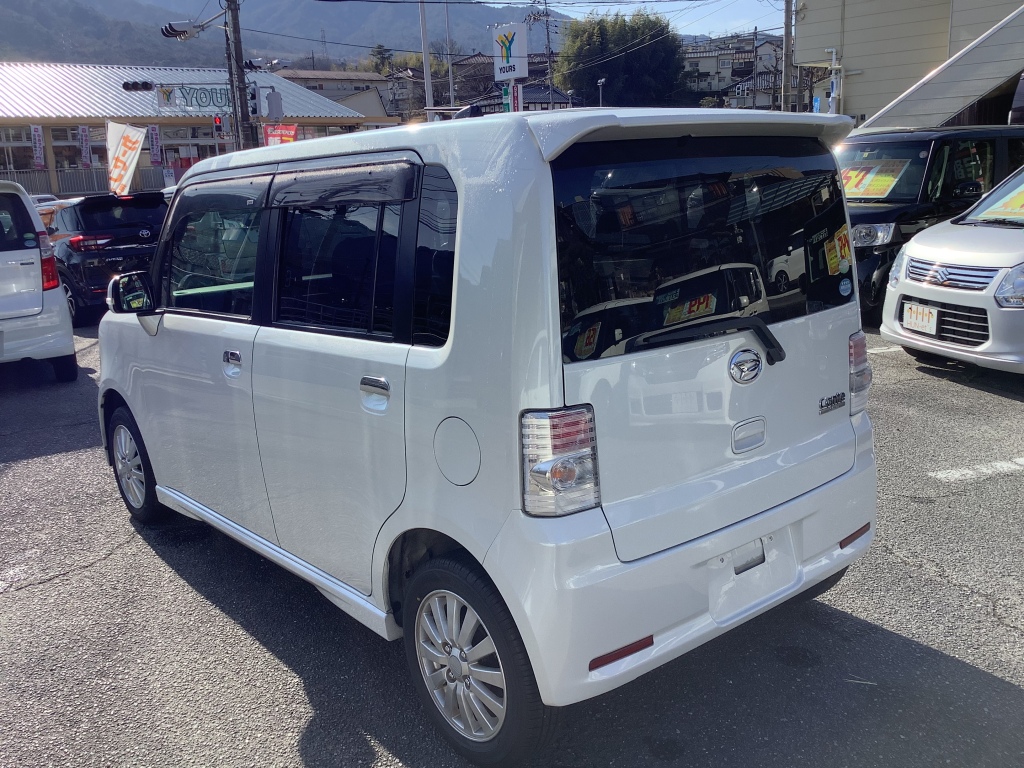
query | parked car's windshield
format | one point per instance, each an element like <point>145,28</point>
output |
<point>696,219</point>
<point>883,171</point>
<point>1004,206</point>
<point>108,213</point>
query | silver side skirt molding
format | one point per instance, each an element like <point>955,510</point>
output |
<point>347,599</point>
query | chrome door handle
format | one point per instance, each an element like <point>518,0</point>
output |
<point>375,385</point>
<point>232,357</point>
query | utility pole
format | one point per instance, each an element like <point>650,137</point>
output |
<point>787,55</point>
<point>236,74</point>
<point>532,17</point>
<point>428,88</point>
<point>448,46</point>
<point>754,75</point>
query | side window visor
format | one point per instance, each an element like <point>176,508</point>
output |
<point>373,183</point>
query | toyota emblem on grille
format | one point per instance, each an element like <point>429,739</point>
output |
<point>145,234</point>
<point>745,366</point>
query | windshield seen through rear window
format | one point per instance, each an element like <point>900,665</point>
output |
<point>113,214</point>
<point>661,234</point>
<point>883,171</point>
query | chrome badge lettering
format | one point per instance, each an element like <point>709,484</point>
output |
<point>831,403</point>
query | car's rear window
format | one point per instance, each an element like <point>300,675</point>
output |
<point>671,232</point>
<point>119,212</point>
<point>16,229</point>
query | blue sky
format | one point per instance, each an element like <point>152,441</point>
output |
<point>715,17</point>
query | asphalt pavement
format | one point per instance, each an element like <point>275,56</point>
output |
<point>176,646</point>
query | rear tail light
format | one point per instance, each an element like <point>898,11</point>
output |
<point>559,461</point>
<point>51,279</point>
<point>860,373</point>
<point>83,243</point>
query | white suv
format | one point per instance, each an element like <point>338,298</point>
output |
<point>370,358</point>
<point>35,322</point>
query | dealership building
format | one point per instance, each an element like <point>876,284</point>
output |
<point>53,121</point>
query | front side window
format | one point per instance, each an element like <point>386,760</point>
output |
<point>658,235</point>
<point>883,171</point>
<point>958,162</point>
<point>210,260</point>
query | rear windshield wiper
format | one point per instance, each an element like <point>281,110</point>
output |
<point>773,349</point>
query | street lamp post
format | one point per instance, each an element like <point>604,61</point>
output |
<point>600,91</point>
<point>569,93</point>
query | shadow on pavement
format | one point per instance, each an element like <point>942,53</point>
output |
<point>40,416</point>
<point>1000,383</point>
<point>806,685</point>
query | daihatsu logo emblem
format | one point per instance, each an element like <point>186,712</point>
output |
<point>745,366</point>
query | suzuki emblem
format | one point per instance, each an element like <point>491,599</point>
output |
<point>745,366</point>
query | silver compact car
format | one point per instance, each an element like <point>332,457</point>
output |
<point>35,322</point>
<point>957,289</point>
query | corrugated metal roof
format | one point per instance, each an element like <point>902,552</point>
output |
<point>83,91</point>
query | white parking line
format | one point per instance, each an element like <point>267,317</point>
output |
<point>979,470</point>
<point>880,350</point>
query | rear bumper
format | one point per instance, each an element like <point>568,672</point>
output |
<point>41,336</point>
<point>573,600</point>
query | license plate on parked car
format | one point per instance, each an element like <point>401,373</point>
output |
<point>919,318</point>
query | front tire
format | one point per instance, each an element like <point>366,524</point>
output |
<point>132,469</point>
<point>470,667</point>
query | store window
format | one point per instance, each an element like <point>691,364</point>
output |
<point>16,148</point>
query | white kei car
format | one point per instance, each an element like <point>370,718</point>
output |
<point>956,289</point>
<point>35,322</point>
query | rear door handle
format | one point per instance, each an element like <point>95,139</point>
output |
<point>232,357</point>
<point>375,385</point>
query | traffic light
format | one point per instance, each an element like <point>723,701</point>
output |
<point>252,97</point>
<point>137,85</point>
<point>218,126</point>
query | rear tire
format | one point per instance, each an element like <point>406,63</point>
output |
<point>132,470</point>
<point>77,311</point>
<point>65,368</point>
<point>475,681</point>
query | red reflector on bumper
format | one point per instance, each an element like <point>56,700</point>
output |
<point>628,650</point>
<point>854,536</point>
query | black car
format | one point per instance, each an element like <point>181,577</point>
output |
<point>899,181</point>
<point>102,236</point>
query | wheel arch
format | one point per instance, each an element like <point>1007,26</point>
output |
<point>110,401</point>
<point>409,550</point>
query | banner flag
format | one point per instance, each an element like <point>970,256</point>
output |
<point>124,145</point>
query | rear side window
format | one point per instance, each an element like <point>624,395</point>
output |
<point>210,260</point>
<point>435,258</point>
<point>337,270</point>
<point>17,231</point>
<point>657,235</point>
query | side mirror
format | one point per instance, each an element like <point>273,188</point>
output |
<point>744,302</point>
<point>130,293</point>
<point>967,189</point>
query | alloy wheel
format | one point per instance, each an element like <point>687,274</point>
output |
<point>131,475</point>
<point>71,300</point>
<point>460,666</point>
